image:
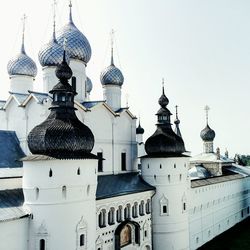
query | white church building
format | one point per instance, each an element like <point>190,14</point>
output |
<point>76,174</point>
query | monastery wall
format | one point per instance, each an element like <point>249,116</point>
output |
<point>216,207</point>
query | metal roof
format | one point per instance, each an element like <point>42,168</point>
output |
<point>121,184</point>
<point>10,150</point>
<point>11,205</point>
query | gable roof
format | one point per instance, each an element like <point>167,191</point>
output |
<point>121,184</point>
<point>10,150</point>
<point>11,205</point>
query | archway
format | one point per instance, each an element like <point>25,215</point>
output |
<point>128,232</point>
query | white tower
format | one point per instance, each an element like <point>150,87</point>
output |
<point>112,80</point>
<point>22,70</point>
<point>165,167</point>
<point>60,180</point>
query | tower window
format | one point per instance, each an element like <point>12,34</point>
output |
<point>82,240</point>
<point>78,171</point>
<point>184,206</point>
<point>50,173</point>
<point>164,209</point>
<point>42,244</point>
<point>123,161</point>
<point>73,82</point>
<point>64,192</point>
<point>100,161</point>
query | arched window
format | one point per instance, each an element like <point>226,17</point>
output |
<point>127,212</point>
<point>141,208</point>
<point>184,203</point>
<point>82,240</point>
<point>81,230</point>
<point>135,210</point>
<point>111,216</point>
<point>123,162</point>
<point>119,214</point>
<point>78,171</point>
<point>148,207</point>
<point>102,218</point>
<point>42,244</point>
<point>50,173</point>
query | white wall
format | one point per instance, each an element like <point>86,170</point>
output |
<point>14,234</point>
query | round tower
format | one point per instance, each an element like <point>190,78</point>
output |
<point>59,180</point>
<point>165,167</point>
<point>22,70</point>
<point>112,80</point>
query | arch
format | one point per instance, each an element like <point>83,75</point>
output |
<point>102,218</point>
<point>164,205</point>
<point>128,232</point>
<point>81,234</point>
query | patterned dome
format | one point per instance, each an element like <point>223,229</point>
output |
<point>21,64</point>
<point>51,54</point>
<point>207,134</point>
<point>112,75</point>
<point>89,85</point>
<point>78,46</point>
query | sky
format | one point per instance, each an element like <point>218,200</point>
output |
<point>201,48</point>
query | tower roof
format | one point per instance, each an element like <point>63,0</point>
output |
<point>77,44</point>
<point>22,64</point>
<point>62,135</point>
<point>112,75</point>
<point>164,141</point>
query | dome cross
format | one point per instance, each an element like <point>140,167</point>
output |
<point>206,108</point>
<point>23,31</point>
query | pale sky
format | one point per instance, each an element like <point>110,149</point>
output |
<point>201,48</point>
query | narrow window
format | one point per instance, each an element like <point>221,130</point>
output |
<point>73,82</point>
<point>50,173</point>
<point>145,233</point>
<point>100,161</point>
<point>148,207</point>
<point>123,161</point>
<point>64,192</point>
<point>42,244</point>
<point>184,206</point>
<point>37,193</point>
<point>82,240</point>
<point>242,213</point>
<point>78,171</point>
<point>164,209</point>
<point>111,216</point>
<point>141,208</point>
<point>119,214</point>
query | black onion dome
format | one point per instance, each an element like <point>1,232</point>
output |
<point>62,135</point>
<point>164,142</point>
<point>139,129</point>
<point>207,134</point>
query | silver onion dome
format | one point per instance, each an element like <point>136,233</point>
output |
<point>22,64</point>
<point>51,54</point>
<point>89,85</point>
<point>78,46</point>
<point>112,76</point>
<point>207,134</point>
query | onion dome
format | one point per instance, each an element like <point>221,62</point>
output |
<point>78,46</point>
<point>22,64</point>
<point>62,135</point>
<point>112,75</point>
<point>207,134</point>
<point>164,142</point>
<point>139,129</point>
<point>89,85</point>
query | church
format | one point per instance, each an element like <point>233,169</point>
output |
<point>75,173</point>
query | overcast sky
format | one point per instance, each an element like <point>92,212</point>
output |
<point>200,47</point>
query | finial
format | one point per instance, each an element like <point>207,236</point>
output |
<point>207,110</point>
<point>64,48</point>
<point>70,12</point>
<point>163,83</point>
<point>23,20</point>
<point>54,19</point>
<point>112,33</point>
<point>176,112</point>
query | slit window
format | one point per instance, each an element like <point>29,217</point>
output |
<point>100,161</point>
<point>82,240</point>
<point>73,82</point>
<point>123,161</point>
<point>42,244</point>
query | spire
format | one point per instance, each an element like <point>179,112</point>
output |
<point>54,20</point>
<point>163,83</point>
<point>70,12</point>
<point>177,122</point>
<point>112,46</point>
<point>23,21</point>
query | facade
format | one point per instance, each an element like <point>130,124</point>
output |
<point>76,174</point>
